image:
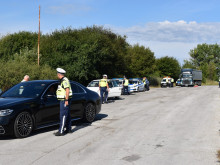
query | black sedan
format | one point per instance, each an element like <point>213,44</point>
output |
<point>33,105</point>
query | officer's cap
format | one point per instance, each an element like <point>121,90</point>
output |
<point>105,75</point>
<point>61,71</point>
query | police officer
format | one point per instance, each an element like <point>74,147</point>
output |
<point>167,82</point>
<point>64,94</point>
<point>125,86</point>
<point>145,85</point>
<point>219,82</point>
<point>172,81</point>
<point>104,89</point>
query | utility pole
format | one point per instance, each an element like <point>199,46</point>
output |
<point>39,40</point>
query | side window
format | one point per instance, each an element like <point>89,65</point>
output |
<point>51,91</point>
<point>80,90</point>
<point>76,88</point>
<point>110,84</point>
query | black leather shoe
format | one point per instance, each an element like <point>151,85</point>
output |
<point>68,131</point>
<point>58,134</point>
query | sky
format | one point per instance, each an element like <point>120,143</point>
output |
<point>167,27</point>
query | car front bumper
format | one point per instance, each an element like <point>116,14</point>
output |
<point>6,125</point>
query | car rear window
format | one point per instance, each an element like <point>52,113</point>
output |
<point>93,84</point>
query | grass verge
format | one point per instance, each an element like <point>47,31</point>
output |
<point>210,82</point>
<point>218,155</point>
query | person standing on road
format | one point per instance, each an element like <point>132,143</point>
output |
<point>64,94</point>
<point>167,82</point>
<point>125,86</point>
<point>219,82</point>
<point>104,89</point>
<point>145,85</point>
<point>26,78</point>
<point>172,81</point>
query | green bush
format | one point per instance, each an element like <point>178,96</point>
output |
<point>13,71</point>
<point>154,81</point>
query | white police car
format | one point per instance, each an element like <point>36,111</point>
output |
<point>115,89</point>
<point>138,85</point>
<point>120,82</point>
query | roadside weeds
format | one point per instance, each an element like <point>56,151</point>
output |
<point>218,155</point>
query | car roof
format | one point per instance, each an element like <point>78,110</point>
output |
<point>40,81</point>
<point>45,81</point>
<point>135,79</point>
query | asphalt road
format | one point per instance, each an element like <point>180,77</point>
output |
<point>178,126</point>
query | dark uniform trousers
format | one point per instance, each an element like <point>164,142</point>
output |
<point>126,90</point>
<point>65,118</point>
<point>103,90</point>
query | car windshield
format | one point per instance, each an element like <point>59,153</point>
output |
<point>186,75</point>
<point>133,82</point>
<point>119,82</point>
<point>25,90</point>
<point>93,84</point>
<point>115,84</point>
<point>164,80</point>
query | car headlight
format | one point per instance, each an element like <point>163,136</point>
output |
<point>5,112</point>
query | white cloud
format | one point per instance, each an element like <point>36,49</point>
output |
<point>179,31</point>
<point>171,38</point>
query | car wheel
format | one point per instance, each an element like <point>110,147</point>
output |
<point>23,125</point>
<point>89,114</point>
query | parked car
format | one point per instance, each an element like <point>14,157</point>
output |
<point>178,82</point>
<point>32,105</point>
<point>115,89</point>
<point>138,85</point>
<point>166,82</point>
<point>120,82</point>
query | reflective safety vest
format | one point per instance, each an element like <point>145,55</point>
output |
<point>103,83</point>
<point>126,82</point>
<point>219,79</point>
<point>61,90</point>
<point>144,81</point>
<point>167,80</point>
<point>172,80</point>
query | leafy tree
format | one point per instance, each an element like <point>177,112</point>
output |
<point>86,53</point>
<point>13,70</point>
<point>188,64</point>
<point>168,66</point>
<point>207,58</point>
<point>14,43</point>
<point>141,61</point>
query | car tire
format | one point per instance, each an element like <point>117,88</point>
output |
<point>23,125</point>
<point>89,113</point>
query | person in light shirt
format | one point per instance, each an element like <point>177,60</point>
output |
<point>26,78</point>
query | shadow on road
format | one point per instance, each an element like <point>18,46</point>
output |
<point>79,124</point>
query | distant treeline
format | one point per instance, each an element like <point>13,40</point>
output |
<point>85,54</point>
<point>206,58</point>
